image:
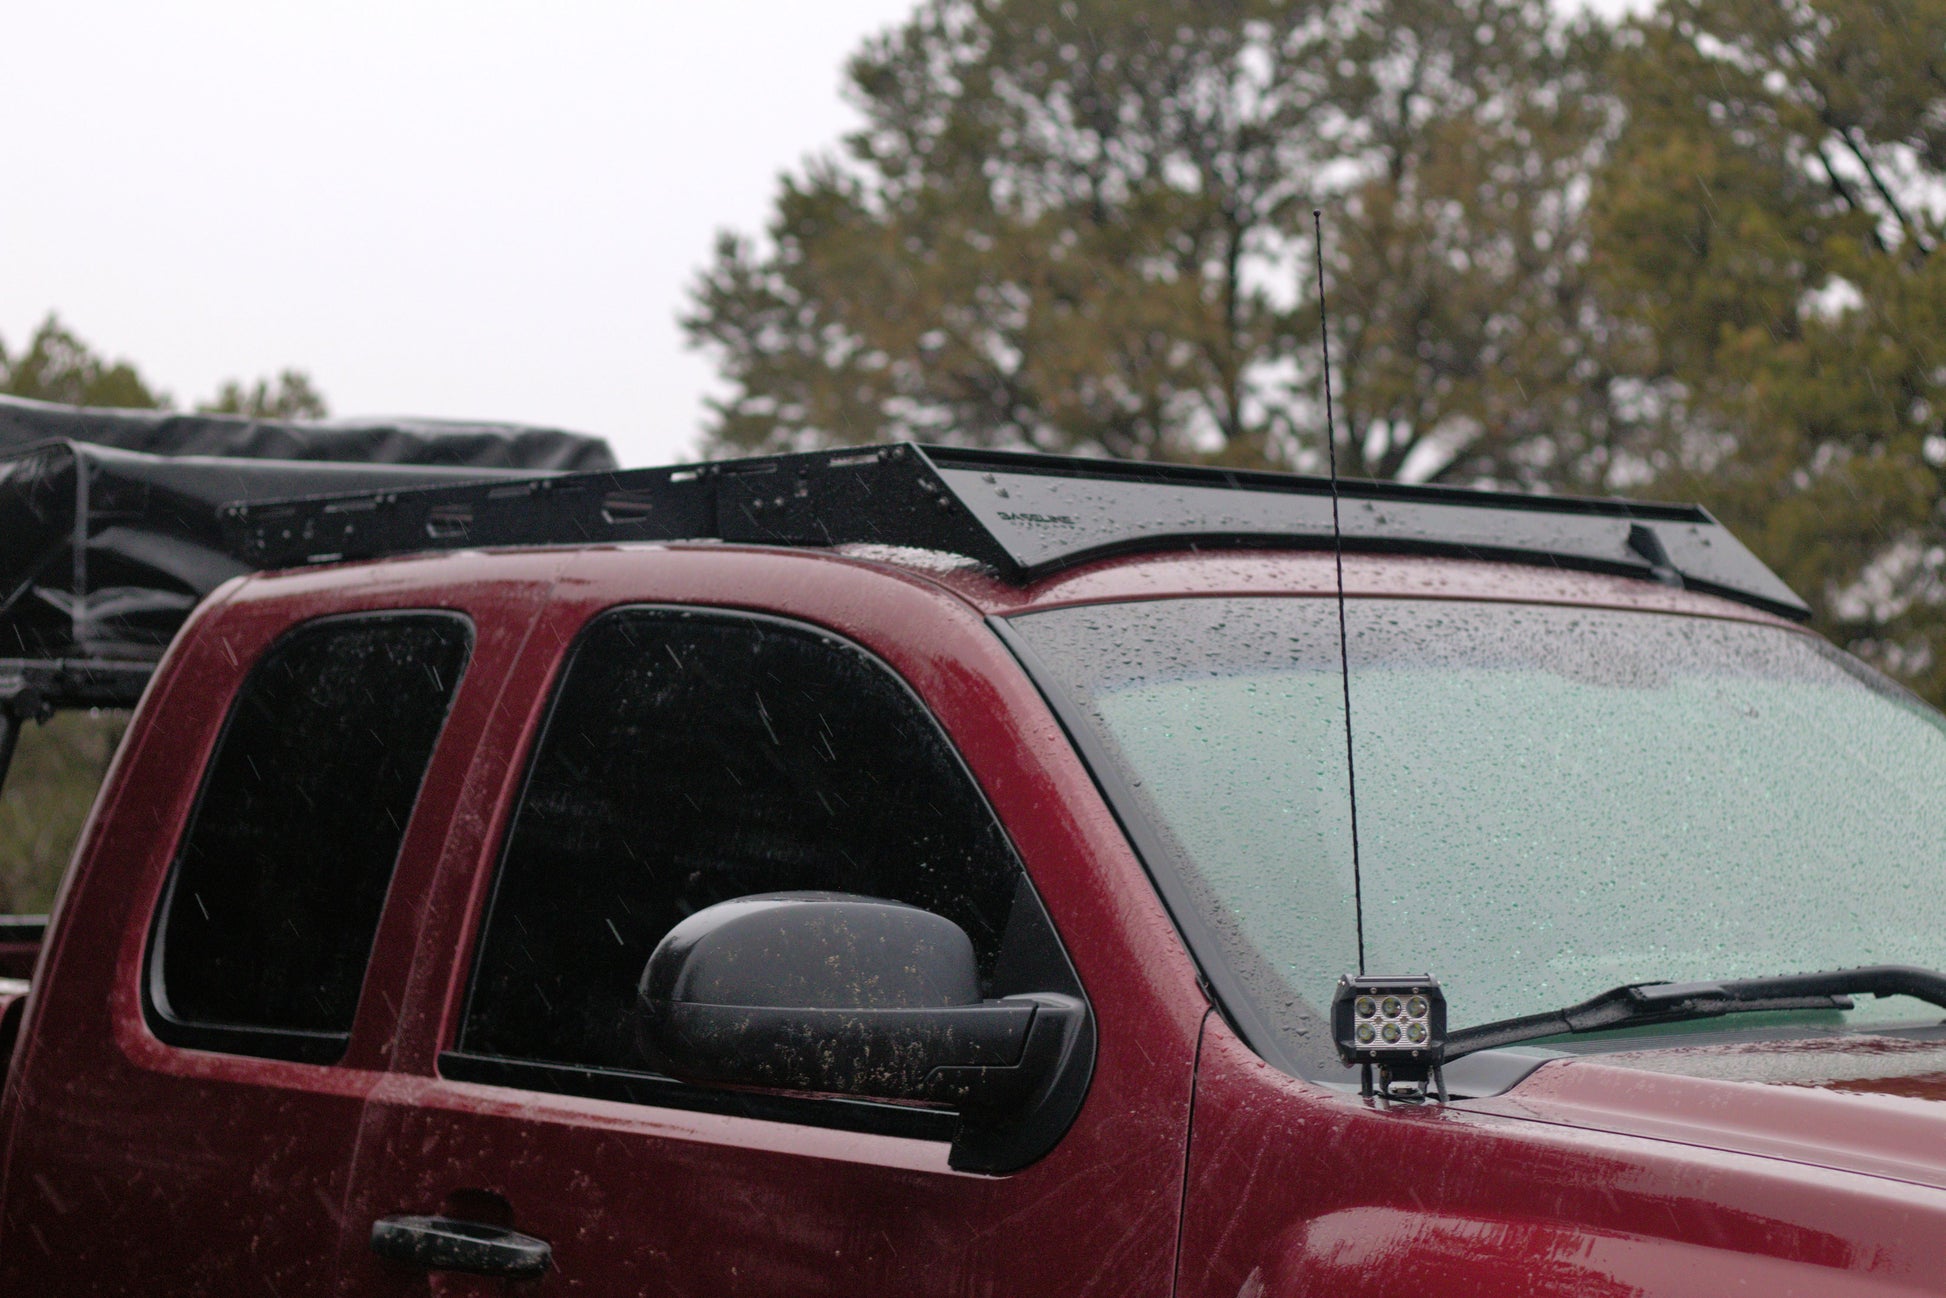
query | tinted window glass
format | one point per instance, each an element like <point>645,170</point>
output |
<point>693,758</point>
<point>289,853</point>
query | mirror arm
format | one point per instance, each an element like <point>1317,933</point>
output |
<point>1002,1087</point>
<point>1011,1116</point>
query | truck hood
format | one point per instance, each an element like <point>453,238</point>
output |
<point>1867,1104</point>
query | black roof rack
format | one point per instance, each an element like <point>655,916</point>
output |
<point>1023,515</point>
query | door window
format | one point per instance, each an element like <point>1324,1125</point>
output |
<point>270,913</point>
<point>695,757</point>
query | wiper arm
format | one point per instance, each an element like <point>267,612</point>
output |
<point>1642,1003</point>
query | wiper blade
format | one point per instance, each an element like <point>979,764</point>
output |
<point>1664,1002</point>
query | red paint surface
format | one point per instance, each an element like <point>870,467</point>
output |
<point>133,1166</point>
<point>136,1167</point>
<point>1297,1189</point>
<point>1874,1105</point>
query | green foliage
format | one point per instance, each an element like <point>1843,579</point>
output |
<point>1689,255</point>
<point>57,366</point>
<point>293,396</point>
<point>1766,230</point>
<point>1085,225</point>
<point>1462,304</point>
<point>56,771</point>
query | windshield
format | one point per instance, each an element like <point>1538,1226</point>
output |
<point>1552,801</point>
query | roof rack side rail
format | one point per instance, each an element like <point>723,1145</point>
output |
<point>1023,515</point>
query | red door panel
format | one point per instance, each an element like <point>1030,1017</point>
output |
<point>139,1167</point>
<point>647,1199</point>
<point>635,1199</point>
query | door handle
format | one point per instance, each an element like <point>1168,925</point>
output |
<point>444,1244</point>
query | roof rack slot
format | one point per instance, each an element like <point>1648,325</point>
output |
<point>448,522</point>
<point>628,507</point>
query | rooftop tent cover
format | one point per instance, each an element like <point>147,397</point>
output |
<point>451,443</point>
<point>110,531</point>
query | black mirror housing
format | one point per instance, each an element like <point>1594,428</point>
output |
<point>814,950</point>
<point>833,993</point>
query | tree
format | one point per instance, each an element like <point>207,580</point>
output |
<point>1767,230</point>
<point>57,366</point>
<point>1084,225</point>
<point>1467,337</point>
<point>292,397</point>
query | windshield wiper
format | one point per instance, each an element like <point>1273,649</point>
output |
<point>1664,1002</point>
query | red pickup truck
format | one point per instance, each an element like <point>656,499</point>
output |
<point>932,872</point>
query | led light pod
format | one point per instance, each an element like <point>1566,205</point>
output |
<point>1397,1024</point>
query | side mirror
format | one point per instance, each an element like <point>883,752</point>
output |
<point>829,992</point>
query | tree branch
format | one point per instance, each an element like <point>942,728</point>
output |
<point>1857,150</point>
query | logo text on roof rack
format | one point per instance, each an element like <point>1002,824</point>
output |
<point>1063,520</point>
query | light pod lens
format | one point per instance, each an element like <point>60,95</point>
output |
<point>1397,1021</point>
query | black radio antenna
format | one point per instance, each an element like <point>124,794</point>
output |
<point>1338,555</point>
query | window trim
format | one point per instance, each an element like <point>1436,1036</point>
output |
<point>295,1045</point>
<point>657,1090</point>
<point>650,1089</point>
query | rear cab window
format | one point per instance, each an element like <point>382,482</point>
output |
<point>268,918</point>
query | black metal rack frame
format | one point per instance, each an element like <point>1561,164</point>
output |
<point>1022,515</point>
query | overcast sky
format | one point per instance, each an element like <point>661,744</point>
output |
<point>488,209</point>
<point>485,209</point>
